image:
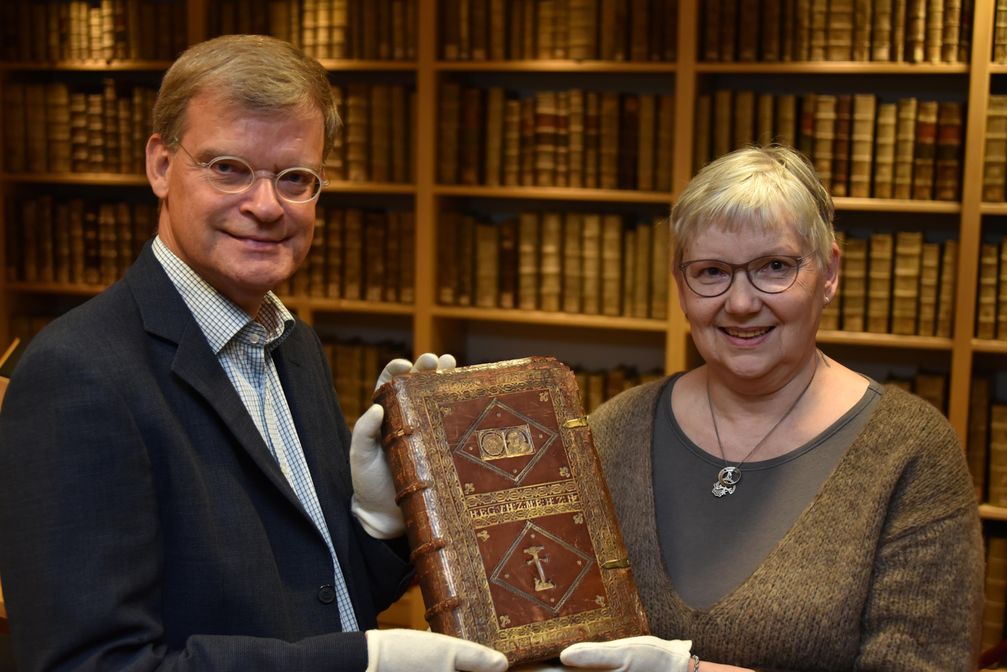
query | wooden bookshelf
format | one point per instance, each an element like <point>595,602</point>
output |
<point>428,325</point>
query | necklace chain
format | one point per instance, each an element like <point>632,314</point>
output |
<point>729,477</point>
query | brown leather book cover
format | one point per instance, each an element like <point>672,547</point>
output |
<point>512,531</point>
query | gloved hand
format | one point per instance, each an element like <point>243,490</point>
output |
<point>412,650</point>
<point>633,654</point>
<point>373,501</point>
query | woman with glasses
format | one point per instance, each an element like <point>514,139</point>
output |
<point>782,511</point>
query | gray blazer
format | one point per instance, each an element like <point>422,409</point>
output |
<point>144,524</point>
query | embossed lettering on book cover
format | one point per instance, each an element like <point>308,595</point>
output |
<point>512,530</point>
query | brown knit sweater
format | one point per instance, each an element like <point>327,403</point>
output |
<point>883,570</point>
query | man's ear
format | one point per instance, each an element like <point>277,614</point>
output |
<point>158,165</point>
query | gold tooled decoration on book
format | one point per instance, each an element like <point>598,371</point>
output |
<point>576,422</point>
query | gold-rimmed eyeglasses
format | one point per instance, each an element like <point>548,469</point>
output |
<point>234,175</point>
<point>770,274</point>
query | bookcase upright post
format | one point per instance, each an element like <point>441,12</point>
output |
<point>425,335</point>
<point>677,337</point>
<point>970,225</point>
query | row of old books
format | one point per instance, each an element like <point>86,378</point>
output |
<point>995,593</point>
<point>608,30</point>
<point>53,128</point>
<point>97,31</point>
<point>986,442</point>
<point>356,365</point>
<point>910,31</point>
<point>991,302</point>
<point>1000,32</point>
<point>74,241</point>
<point>894,283</point>
<point>931,387</point>
<point>355,254</point>
<point>567,138</point>
<point>360,255</point>
<point>573,262</point>
<point>861,145</point>
<point>326,29</point>
<point>598,386</point>
<point>995,154</point>
<point>375,143</point>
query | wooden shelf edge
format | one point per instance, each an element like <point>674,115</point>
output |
<point>883,340</point>
<point>346,64</point>
<point>129,180</point>
<point>346,186</point>
<point>835,67</point>
<point>897,205</point>
<point>65,289</point>
<point>990,512</point>
<point>989,346</point>
<point>544,318</point>
<point>643,67</point>
<point>319,304</point>
<point>556,194</point>
<point>85,66</point>
<point>987,208</point>
<point>84,179</point>
<point>323,305</point>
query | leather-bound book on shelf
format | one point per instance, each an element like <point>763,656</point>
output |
<point>513,533</point>
<point>947,161</point>
<point>952,29</point>
<point>711,31</point>
<point>839,32</point>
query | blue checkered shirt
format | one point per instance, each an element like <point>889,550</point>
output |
<point>243,347</point>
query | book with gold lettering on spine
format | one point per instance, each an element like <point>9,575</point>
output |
<point>512,531</point>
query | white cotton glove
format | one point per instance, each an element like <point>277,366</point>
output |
<point>413,650</point>
<point>373,501</point>
<point>633,654</point>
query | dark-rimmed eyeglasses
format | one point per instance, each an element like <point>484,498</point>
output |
<point>770,274</point>
<point>234,175</point>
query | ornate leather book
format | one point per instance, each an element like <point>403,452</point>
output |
<point>513,534</point>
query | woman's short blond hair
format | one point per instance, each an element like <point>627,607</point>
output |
<point>254,72</point>
<point>764,187</point>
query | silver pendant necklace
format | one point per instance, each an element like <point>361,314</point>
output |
<point>729,477</point>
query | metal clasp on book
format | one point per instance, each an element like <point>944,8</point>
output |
<point>615,564</point>
<point>392,437</point>
<point>576,422</point>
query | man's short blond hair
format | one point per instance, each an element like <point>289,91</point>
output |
<point>255,72</point>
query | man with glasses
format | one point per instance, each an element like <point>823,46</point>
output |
<point>175,482</point>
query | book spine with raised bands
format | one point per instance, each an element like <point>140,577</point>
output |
<point>415,494</point>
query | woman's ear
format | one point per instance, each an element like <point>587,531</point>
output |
<point>832,272</point>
